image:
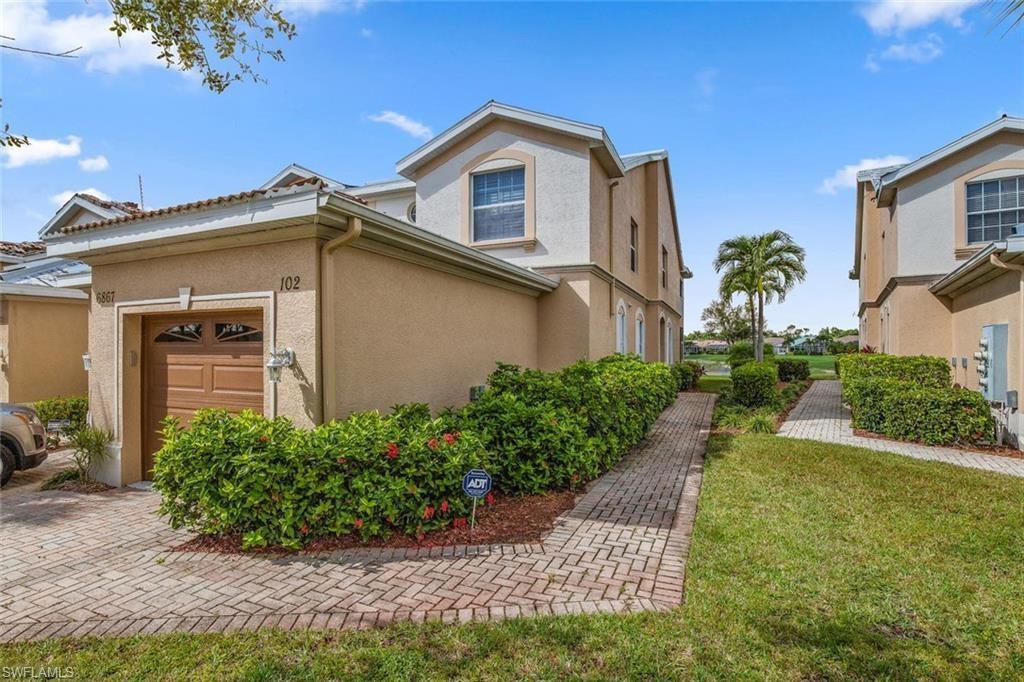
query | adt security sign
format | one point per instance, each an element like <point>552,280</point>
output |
<point>476,483</point>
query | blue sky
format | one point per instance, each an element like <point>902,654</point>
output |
<point>766,108</point>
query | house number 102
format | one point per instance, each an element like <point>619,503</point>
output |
<point>290,283</point>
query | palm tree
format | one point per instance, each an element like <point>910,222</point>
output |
<point>760,267</point>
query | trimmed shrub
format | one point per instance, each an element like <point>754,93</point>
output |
<point>791,369</point>
<point>937,416</point>
<point>742,352</point>
<point>753,384</point>
<point>74,409</point>
<point>866,398</point>
<point>533,446</point>
<point>275,484</point>
<point>686,374</point>
<point>923,370</point>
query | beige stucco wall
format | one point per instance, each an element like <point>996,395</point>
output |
<point>995,302</point>
<point>919,322</point>
<point>406,333</point>
<point>563,321</point>
<point>44,339</point>
<point>239,277</point>
<point>561,207</point>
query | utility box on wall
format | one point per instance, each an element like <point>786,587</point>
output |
<point>992,361</point>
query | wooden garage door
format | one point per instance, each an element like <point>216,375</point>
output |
<point>196,361</point>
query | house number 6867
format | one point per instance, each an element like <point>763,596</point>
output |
<point>290,283</point>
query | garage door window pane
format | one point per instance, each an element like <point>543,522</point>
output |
<point>499,205</point>
<point>236,332</point>
<point>181,333</point>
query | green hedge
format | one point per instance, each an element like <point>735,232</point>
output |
<point>74,409</point>
<point>533,431</point>
<point>754,384</point>
<point>923,370</point>
<point>910,398</point>
<point>791,369</point>
<point>686,373</point>
<point>937,416</point>
<point>742,352</point>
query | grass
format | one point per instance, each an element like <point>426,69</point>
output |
<point>808,561</point>
<point>713,384</point>
<point>822,366</point>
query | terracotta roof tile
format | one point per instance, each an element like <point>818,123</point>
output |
<point>22,248</point>
<point>194,205</point>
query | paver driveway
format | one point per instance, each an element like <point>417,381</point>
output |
<point>103,564</point>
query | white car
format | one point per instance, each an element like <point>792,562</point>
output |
<point>22,440</point>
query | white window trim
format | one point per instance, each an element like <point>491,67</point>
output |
<point>620,327</point>
<point>968,213</point>
<point>639,330</point>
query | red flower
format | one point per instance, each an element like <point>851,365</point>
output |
<point>392,451</point>
<point>341,459</point>
<point>419,537</point>
<point>489,499</point>
<point>459,522</point>
<point>388,519</point>
<point>428,513</point>
<point>444,506</point>
<point>304,530</point>
<point>432,444</point>
<point>358,523</point>
<point>450,438</point>
<point>264,439</point>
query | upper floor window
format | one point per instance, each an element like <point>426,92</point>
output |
<point>499,205</point>
<point>410,213</point>
<point>992,209</point>
<point>664,267</point>
<point>634,245</point>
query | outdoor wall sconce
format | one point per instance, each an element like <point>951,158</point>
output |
<point>279,359</point>
<point>86,362</point>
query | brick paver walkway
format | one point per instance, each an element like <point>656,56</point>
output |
<point>821,415</point>
<point>76,565</point>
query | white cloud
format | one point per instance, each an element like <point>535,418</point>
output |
<point>888,17</point>
<point>920,52</point>
<point>366,32</point>
<point>30,25</point>
<point>61,198</point>
<point>846,177</point>
<point>404,123</point>
<point>41,151</point>
<point>94,164</point>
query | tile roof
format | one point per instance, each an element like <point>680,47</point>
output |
<point>123,206</point>
<point>201,204</point>
<point>21,249</point>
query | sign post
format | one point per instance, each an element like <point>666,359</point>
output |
<point>476,483</point>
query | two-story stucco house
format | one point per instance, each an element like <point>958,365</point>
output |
<point>512,236</point>
<point>939,256</point>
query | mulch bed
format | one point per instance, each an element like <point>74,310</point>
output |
<point>998,450</point>
<point>77,486</point>
<point>510,520</point>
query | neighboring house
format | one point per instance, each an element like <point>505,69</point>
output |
<point>43,326</point>
<point>848,339</point>
<point>777,343</point>
<point>938,257</point>
<point>807,345</point>
<point>707,346</point>
<point>512,236</point>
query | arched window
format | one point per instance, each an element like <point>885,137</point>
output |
<point>640,331</point>
<point>620,328</point>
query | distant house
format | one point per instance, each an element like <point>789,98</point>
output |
<point>807,345</point>
<point>706,346</point>
<point>849,338</point>
<point>777,343</point>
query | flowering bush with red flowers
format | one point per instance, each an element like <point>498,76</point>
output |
<point>276,484</point>
<point>373,474</point>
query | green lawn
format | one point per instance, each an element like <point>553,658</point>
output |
<point>822,366</point>
<point>712,383</point>
<point>808,562</point>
